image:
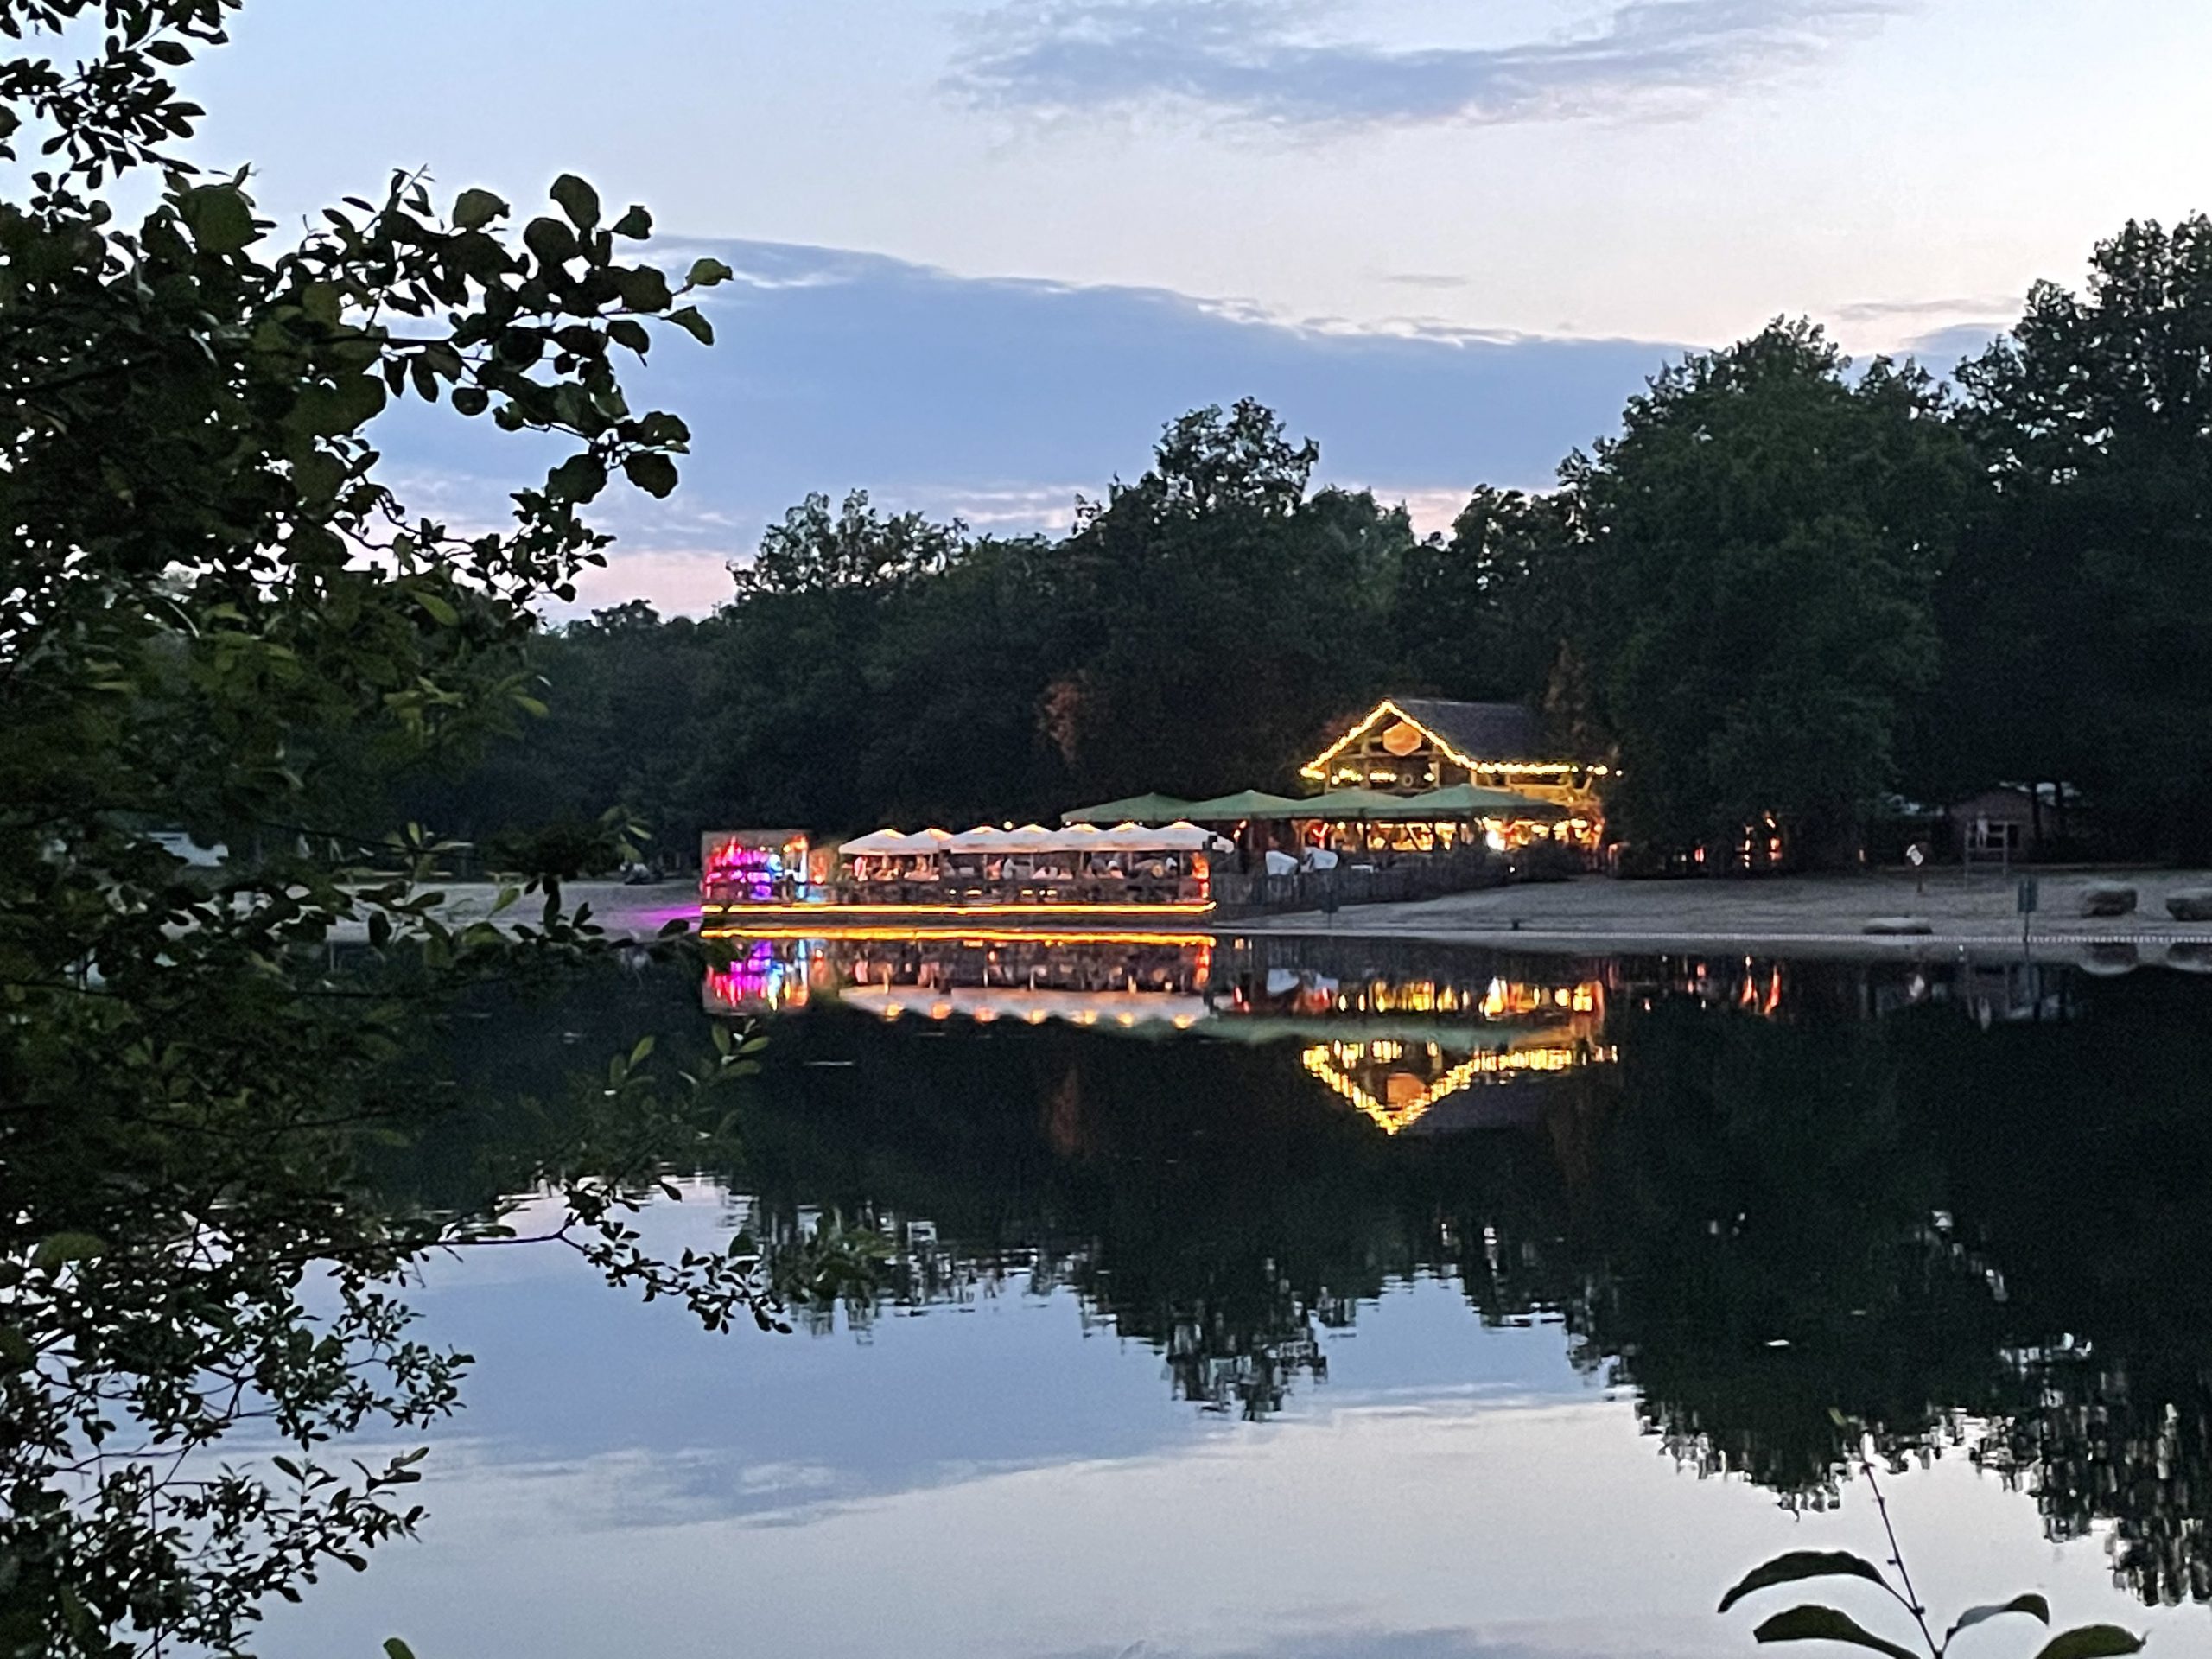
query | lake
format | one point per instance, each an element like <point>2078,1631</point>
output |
<point>1334,1297</point>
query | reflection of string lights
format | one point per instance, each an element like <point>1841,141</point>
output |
<point>1501,1000</point>
<point>1333,1062</point>
<point>759,980</point>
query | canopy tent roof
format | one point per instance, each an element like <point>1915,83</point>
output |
<point>984,838</point>
<point>1135,809</point>
<point>1171,838</point>
<point>876,840</point>
<point>1032,838</point>
<point>1245,804</point>
<point>883,842</point>
<point>1474,801</point>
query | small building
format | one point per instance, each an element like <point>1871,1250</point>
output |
<point>1409,745</point>
<point>2015,819</point>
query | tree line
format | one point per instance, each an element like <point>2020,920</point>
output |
<point>1787,584</point>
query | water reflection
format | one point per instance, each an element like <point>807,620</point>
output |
<point>1959,1200</point>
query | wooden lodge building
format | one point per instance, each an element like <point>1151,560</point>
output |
<point>1409,745</point>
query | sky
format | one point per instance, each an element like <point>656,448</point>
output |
<point>987,248</point>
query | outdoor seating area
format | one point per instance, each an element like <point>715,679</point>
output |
<point>1131,864</point>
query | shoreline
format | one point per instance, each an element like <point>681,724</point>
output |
<point>1819,915</point>
<point>1809,916</point>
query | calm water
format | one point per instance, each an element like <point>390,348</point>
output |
<point>1346,1299</point>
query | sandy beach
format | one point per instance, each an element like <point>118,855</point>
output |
<point>1811,915</point>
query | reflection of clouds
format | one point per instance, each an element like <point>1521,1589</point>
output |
<point>1263,62</point>
<point>1467,1529</point>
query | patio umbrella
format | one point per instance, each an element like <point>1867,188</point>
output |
<point>1339,805</point>
<point>1474,801</point>
<point>1245,804</point>
<point>984,838</point>
<point>1135,809</point>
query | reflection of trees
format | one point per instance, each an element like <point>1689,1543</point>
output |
<point>1762,1208</point>
<point>2075,1159</point>
<point>1919,1209</point>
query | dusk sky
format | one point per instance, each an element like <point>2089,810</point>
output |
<point>988,246</point>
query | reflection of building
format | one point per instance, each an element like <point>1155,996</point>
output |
<point>1516,1032</point>
<point>1407,746</point>
<point>1113,979</point>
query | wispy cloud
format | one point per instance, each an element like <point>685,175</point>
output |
<point>1982,305</point>
<point>1268,61</point>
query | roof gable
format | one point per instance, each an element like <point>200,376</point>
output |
<point>1485,731</point>
<point>1499,732</point>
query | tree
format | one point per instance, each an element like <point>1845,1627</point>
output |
<point>1218,615</point>
<point>2079,615</point>
<point>1765,533</point>
<point>1483,612</point>
<point>213,615</point>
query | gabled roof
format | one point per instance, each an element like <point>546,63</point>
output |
<point>1488,732</point>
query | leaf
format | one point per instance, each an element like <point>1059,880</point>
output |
<point>2030,1604</point>
<point>644,1046</point>
<point>326,411</point>
<point>219,216</point>
<point>637,224</point>
<point>2091,1641</point>
<point>705,273</point>
<point>1825,1625</point>
<point>440,608</point>
<point>643,288</point>
<point>395,1649</point>
<point>473,209</point>
<point>1804,1564</point>
<point>58,1249</point>
<point>654,475</point>
<point>577,200</point>
<point>686,318</point>
<point>471,400</point>
<point>580,478</point>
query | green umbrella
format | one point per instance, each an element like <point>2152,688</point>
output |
<point>1474,801</point>
<point>1245,804</point>
<point>1340,804</point>
<point>1136,809</point>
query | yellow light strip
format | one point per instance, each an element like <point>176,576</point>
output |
<point>876,933</point>
<point>828,913</point>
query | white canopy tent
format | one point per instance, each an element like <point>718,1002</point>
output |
<point>1172,838</point>
<point>876,842</point>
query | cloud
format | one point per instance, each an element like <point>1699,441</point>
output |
<point>996,400</point>
<point>1985,306</point>
<point>1942,350</point>
<point>1266,63</point>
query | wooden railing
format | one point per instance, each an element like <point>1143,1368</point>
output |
<point>1357,884</point>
